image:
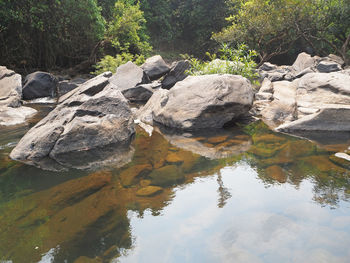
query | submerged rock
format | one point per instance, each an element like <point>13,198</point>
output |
<point>155,67</point>
<point>39,85</point>
<point>199,102</point>
<point>149,191</point>
<point>92,116</point>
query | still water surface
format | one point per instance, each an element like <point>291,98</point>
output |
<point>244,194</point>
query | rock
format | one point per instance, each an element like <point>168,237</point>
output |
<point>141,93</point>
<point>263,96</point>
<point>149,191</point>
<point>316,89</point>
<point>266,86</point>
<point>155,67</point>
<point>66,86</point>
<point>145,113</point>
<point>302,62</point>
<point>329,118</point>
<point>207,101</point>
<point>89,118</point>
<point>128,77</point>
<point>10,88</point>
<point>335,58</point>
<point>176,74</point>
<point>39,85</point>
<point>341,159</point>
<point>128,176</point>
<point>283,107</point>
<point>167,176</point>
<point>13,116</point>
<point>328,66</point>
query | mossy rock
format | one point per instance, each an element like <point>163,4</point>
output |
<point>149,191</point>
<point>83,259</point>
<point>276,172</point>
<point>268,138</point>
<point>263,152</point>
<point>167,176</point>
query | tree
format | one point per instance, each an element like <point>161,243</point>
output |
<point>48,33</point>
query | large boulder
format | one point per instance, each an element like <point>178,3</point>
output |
<point>208,101</point>
<point>10,88</point>
<point>39,85</point>
<point>155,67</point>
<point>176,74</point>
<point>89,118</point>
<point>128,77</point>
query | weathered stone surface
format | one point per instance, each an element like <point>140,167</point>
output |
<point>199,102</point>
<point>39,85</point>
<point>155,67</point>
<point>92,116</point>
<point>303,61</point>
<point>330,118</point>
<point>283,107</point>
<point>10,88</point>
<point>176,74</point>
<point>266,86</point>
<point>127,79</point>
<point>145,113</point>
<point>316,89</point>
<point>167,176</point>
<point>13,116</point>
<point>141,93</point>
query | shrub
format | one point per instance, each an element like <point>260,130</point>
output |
<point>239,61</point>
<point>109,63</point>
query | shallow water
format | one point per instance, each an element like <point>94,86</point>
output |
<point>244,194</point>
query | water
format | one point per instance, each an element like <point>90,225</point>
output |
<point>244,194</point>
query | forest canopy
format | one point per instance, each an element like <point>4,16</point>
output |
<point>63,33</point>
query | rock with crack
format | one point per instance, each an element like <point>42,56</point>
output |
<point>155,67</point>
<point>200,102</point>
<point>89,118</point>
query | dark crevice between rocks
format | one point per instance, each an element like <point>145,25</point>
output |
<point>95,89</point>
<point>6,75</point>
<point>82,113</point>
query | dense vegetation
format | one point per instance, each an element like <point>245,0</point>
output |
<point>63,33</point>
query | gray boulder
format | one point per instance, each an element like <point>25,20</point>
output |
<point>89,118</point>
<point>155,67</point>
<point>66,86</point>
<point>176,74</point>
<point>303,61</point>
<point>128,77</point>
<point>208,101</point>
<point>141,93</point>
<point>328,66</point>
<point>10,88</point>
<point>39,85</point>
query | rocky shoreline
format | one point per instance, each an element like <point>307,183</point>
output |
<point>312,95</point>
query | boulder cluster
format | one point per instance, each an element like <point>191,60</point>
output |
<point>95,120</point>
<point>311,95</point>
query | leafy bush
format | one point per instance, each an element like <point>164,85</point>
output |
<point>109,63</point>
<point>239,61</point>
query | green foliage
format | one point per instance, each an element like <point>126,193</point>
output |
<point>274,27</point>
<point>238,61</point>
<point>48,33</point>
<point>126,31</point>
<point>109,63</point>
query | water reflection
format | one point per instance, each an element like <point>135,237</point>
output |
<point>241,193</point>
